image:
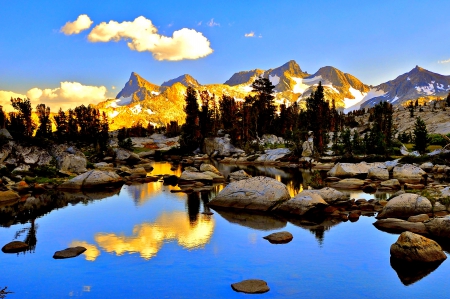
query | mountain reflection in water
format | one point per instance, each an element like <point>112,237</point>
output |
<point>148,238</point>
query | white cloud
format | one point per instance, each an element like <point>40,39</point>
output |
<point>143,36</point>
<point>444,61</point>
<point>83,22</point>
<point>5,99</point>
<point>68,95</point>
<point>211,23</point>
<point>250,34</point>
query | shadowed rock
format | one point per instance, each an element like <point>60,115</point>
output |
<point>253,220</point>
<point>69,252</point>
<point>251,286</point>
<point>411,247</point>
<point>15,247</point>
<point>394,225</point>
<point>279,238</point>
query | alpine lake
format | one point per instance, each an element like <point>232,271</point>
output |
<point>144,241</point>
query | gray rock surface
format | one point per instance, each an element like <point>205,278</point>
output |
<point>238,176</point>
<point>405,205</point>
<point>408,174</point>
<point>256,193</point>
<point>398,225</point>
<point>302,203</point>
<point>92,179</point>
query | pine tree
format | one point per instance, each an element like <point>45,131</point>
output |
<point>318,112</point>
<point>448,100</point>
<point>61,125</point>
<point>45,126</point>
<point>421,138</point>
<point>264,105</point>
<point>23,106</point>
<point>191,136</point>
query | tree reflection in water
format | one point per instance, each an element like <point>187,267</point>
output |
<point>193,206</point>
<point>30,238</point>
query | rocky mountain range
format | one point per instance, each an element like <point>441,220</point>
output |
<point>146,102</point>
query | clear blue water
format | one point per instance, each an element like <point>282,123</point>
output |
<point>149,243</point>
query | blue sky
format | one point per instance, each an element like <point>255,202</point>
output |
<point>373,40</point>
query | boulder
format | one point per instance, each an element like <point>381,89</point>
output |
<point>208,167</point>
<point>405,205</point>
<point>419,218</point>
<point>251,286</point>
<point>427,166</point>
<point>439,227</point>
<point>279,238</point>
<point>348,184</point>
<point>378,173</point>
<point>216,177</point>
<point>148,153</point>
<point>350,170</point>
<point>302,203</point>
<point>395,225</point>
<point>92,179</point>
<point>393,184</point>
<point>272,155</point>
<point>222,145</point>
<point>5,134</point>
<point>411,247</point>
<point>194,176</point>
<point>15,247</point>
<point>8,197</point>
<point>238,175</point>
<point>330,195</point>
<point>70,163</point>
<point>269,139</point>
<point>408,174</point>
<point>33,155</point>
<point>69,252</point>
<point>256,193</point>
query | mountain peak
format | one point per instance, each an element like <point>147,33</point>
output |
<point>186,79</point>
<point>135,83</point>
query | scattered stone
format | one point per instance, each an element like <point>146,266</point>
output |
<point>69,252</point>
<point>8,196</point>
<point>370,188</point>
<point>348,184</point>
<point>92,179</point>
<point>302,203</point>
<point>419,218</point>
<point>353,217</point>
<point>415,248</point>
<point>238,176</point>
<point>279,238</point>
<point>15,247</point>
<point>378,173</point>
<point>188,175</point>
<point>251,286</point>
<point>439,227</point>
<point>408,174</point>
<point>393,184</point>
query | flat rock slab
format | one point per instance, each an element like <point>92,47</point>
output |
<point>279,238</point>
<point>251,286</point>
<point>411,247</point>
<point>69,252</point>
<point>15,247</point>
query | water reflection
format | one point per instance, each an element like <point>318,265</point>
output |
<point>409,272</point>
<point>148,238</point>
<point>253,220</point>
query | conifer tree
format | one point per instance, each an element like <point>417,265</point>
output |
<point>421,138</point>
<point>61,125</point>
<point>191,136</point>
<point>263,105</point>
<point>24,110</point>
<point>318,112</point>
<point>45,126</point>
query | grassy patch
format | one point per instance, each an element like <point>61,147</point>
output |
<point>138,150</point>
<point>431,148</point>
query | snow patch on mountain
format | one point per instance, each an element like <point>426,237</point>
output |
<point>113,114</point>
<point>358,97</point>
<point>373,93</point>
<point>428,90</point>
<point>299,87</point>
<point>149,111</point>
<point>274,79</point>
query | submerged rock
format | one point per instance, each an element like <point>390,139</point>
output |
<point>69,252</point>
<point>15,247</point>
<point>257,193</point>
<point>251,286</point>
<point>395,225</point>
<point>279,238</point>
<point>411,247</point>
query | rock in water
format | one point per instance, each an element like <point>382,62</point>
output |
<point>279,238</point>
<point>405,205</point>
<point>69,252</point>
<point>411,247</point>
<point>257,193</point>
<point>15,247</point>
<point>251,286</point>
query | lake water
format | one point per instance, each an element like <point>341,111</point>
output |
<point>145,242</point>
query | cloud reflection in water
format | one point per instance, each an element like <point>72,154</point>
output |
<point>148,238</point>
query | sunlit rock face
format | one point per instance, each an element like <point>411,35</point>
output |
<point>148,238</point>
